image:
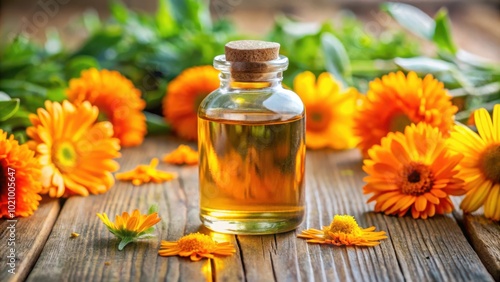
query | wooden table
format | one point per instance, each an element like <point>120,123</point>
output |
<point>443,248</point>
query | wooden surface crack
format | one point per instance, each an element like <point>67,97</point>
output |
<point>241,257</point>
<point>272,266</point>
<point>389,236</point>
<point>213,269</point>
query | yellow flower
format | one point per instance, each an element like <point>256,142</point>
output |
<point>196,246</point>
<point>117,98</point>
<point>480,167</point>
<point>145,174</point>
<point>344,230</point>
<point>396,101</point>
<point>184,95</point>
<point>19,178</point>
<point>414,171</point>
<point>182,155</point>
<point>329,111</point>
<point>76,153</point>
<point>131,227</point>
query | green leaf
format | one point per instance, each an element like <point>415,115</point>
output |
<point>8,108</point>
<point>442,32</point>
<point>19,88</point>
<point>307,52</point>
<point>424,65</point>
<point>48,74</point>
<point>79,63</point>
<point>91,21</point>
<point>32,96</point>
<point>56,94</point>
<point>444,71</point>
<point>119,11</point>
<point>164,19</point>
<point>156,124</point>
<point>411,18</point>
<point>337,61</point>
<point>4,96</point>
<point>477,61</point>
<point>153,208</point>
<point>17,55</point>
<point>20,120</point>
<point>192,14</point>
<point>147,234</point>
<point>100,41</point>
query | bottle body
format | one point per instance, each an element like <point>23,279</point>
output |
<point>252,159</point>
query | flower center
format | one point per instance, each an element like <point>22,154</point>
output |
<point>490,163</point>
<point>415,179</point>
<point>345,224</point>
<point>399,122</point>
<point>317,119</point>
<point>65,157</point>
<point>196,242</point>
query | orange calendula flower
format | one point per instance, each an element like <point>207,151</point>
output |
<point>76,153</point>
<point>414,171</point>
<point>117,99</point>
<point>19,178</point>
<point>344,230</point>
<point>145,174</point>
<point>196,246</point>
<point>184,95</point>
<point>182,155</point>
<point>329,111</point>
<point>132,227</point>
<point>480,167</point>
<point>396,101</point>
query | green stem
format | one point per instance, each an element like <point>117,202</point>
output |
<point>484,90</point>
<point>124,242</point>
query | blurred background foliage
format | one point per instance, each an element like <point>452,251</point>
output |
<point>153,48</point>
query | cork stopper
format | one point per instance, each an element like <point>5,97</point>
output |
<point>251,51</point>
<point>248,58</point>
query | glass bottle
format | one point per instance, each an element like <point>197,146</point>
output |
<point>251,140</point>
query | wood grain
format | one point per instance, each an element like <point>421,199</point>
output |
<point>94,255</point>
<point>417,250</point>
<point>31,234</point>
<point>484,235</point>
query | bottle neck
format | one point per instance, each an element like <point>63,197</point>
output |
<point>250,75</point>
<point>257,81</point>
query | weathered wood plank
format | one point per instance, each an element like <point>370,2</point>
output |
<point>483,234</point>
<point>410,240</point>
<point>433,249</point>
<point>226,268</point>
<point>485,237</point>
<point>94,255</point>
<point>31,233</point>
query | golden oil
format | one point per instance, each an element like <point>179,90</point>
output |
<point>251,140</point>
<point>251,173</point>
